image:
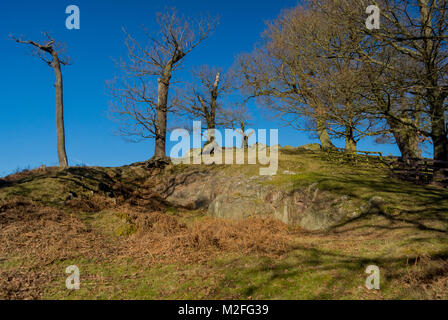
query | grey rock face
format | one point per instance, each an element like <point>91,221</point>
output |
<point>309,208</point>
<point>239,197</point>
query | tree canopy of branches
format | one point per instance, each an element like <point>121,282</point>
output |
<point>409,59</point>
<point>238,117</point>
<point>319,61</point>
<point>142,108</point>
<point>293,76</point>
<point>204,97</point>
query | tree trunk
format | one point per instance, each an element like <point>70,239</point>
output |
<point>211,122</point>
<point>245,142</point>
<point>439,133</point>
<point>406,139</point>
<point>440,142</point>
<point>436,100</point>
<point>161,121</point>
<point>245,136</point>
<point>350,143</point>
<point>60,130</point>
<point>210,114</point>
<point>211,127</point>
<point>324,137</point>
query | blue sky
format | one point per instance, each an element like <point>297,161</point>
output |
<point>27,104</point>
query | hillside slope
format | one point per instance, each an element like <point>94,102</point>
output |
<point>222,231</point>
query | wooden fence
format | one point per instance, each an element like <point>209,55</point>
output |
<point>419,170</point>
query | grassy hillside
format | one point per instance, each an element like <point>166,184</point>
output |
<point>130,243</point>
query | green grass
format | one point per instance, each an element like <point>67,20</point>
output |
<point>328,265</point>
<point>318,267</point>
<point>305,273</point>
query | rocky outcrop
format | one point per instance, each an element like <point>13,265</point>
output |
<point>236,196</point>
<point>309,208</point>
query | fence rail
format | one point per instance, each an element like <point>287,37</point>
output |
<point>420,170</point>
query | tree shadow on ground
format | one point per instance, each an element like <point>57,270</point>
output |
<point>347,273</point>
<point>413,215</point>
<point>406,204</point>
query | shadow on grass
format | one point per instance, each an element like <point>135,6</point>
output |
<point>422,207</point>
<point>313,273</point>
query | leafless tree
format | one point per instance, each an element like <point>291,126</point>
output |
<point>397,107</point>
<point>134,106</point>
<point>415,32</point>
<point>53,54</point>
<point>238,117</point>
<point>204,98</point>
<point>422,38</point>
<point>159,56</point>
<point>295,77</point>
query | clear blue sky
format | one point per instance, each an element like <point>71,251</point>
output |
<point>27,104</point>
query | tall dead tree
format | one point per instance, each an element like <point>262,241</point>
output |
<point>203,99</point>
<point>159,57</point>
<point>51,53</point>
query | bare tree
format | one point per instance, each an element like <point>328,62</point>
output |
<point>415,32</point>
<point>239,118</point>
<point>204,99</point>
<point>423,39</point>
<point>296,78</point>
<point>133,105</point>
<point>159,57</point>
<point>52,53</point>
<point>390,101</point>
